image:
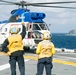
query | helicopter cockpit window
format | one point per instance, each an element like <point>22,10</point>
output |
<point>14,18</point>
<point>43,26</point>
<point>36,27</point>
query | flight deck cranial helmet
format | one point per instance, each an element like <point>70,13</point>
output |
<point>14,30</point>
<point>46,36</point>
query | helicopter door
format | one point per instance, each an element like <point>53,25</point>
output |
<point>29,41</point>
<point>30,31</point>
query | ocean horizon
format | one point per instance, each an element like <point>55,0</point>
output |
<point>61,40</point>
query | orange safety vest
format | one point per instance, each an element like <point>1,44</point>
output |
<point>15,43</point>
<point>45,49</point>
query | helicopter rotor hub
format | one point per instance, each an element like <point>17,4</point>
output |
<point>23,3</point>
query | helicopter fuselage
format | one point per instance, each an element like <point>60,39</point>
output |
<point>33,21</point>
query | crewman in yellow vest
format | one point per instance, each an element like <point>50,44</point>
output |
<point>13,46</point>
<point>45,51</point>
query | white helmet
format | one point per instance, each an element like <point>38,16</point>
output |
<point>46,36</point>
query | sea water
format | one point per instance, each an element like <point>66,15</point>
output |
<point>61,40</point>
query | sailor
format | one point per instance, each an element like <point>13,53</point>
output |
<point>31,33</point>
<point>13,46</point>
<point>45,51</point>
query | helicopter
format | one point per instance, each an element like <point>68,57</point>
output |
<point>33,21</point>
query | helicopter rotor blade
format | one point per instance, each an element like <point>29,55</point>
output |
<point>66,2</point>
<point>54,6</point>
<point>5,4</point>
<point>10,2</point>
<point>30,4</point>
<point>24,3</point>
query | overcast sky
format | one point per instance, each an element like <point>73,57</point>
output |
<point>61,20</point>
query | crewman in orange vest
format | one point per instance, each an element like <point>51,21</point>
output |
<point>45,51</point>
<point>13,46</point>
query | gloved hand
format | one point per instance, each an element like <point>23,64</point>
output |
<point>8,53</point>
<point>22,23</point>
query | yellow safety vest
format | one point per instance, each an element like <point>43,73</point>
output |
<point>45,49</point>
<point>15,43</point>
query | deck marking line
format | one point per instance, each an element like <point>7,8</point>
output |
<point>3,53</point>
<point>55,60</point>
<point>5,66</point>
<point>65,57</point>
<point>65,62</point>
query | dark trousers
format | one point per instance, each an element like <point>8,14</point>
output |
<point>20,60</point>
<point>44,62</point>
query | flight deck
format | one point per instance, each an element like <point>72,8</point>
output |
<point>63,64</point>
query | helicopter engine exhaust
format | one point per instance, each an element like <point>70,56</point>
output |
<point>36,16</point>
<point>42,15</point>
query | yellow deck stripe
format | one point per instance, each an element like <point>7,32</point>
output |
<point>2,53</point>
<point>65,62</point>
<point>31,57</point>
<point>55,61</point>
